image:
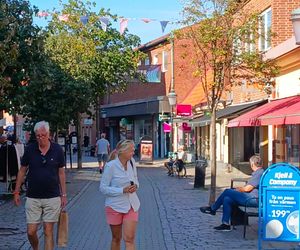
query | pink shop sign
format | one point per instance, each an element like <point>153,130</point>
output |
<point>184,109</point>
<point>167,127</point>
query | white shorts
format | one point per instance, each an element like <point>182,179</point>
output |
<point>42,210</point>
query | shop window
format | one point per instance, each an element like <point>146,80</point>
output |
<point>292,144</point>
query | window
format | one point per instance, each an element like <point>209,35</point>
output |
<point>147,61</point>
<point>250,44</point>
<point>165,61</point>
<point>265,30</point>
<point>292,144</point>
<point>155,59</point>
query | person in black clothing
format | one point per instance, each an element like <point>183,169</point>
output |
<point>86,141</point>
<point>46,190</point>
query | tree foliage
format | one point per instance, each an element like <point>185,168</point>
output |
<point>99,59</point>
<point>19,40</point>
<point>222,33</point>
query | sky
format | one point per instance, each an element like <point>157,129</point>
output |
<point>161,10</point>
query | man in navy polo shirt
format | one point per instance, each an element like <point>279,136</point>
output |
<point>46,192</point>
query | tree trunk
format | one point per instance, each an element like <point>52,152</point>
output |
<point>213,156</point>
<point>79,151</point>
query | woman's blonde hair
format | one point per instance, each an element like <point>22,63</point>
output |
<point>113,154</point>
<point>124,146</point>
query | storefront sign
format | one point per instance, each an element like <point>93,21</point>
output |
<point>88,121</point>
<point>280,193</point>
<point>186,128</point>
<point>184,109</point>
<point>167,127</point>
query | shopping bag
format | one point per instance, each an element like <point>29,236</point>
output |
<point>62,229</point>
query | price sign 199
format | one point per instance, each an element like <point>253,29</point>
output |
<point>279,213</point>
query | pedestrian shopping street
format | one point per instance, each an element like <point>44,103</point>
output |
<point>169,215</point>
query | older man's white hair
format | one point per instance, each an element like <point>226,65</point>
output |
<point>41,124</point>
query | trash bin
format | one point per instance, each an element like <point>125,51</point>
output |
<point>200,169</point>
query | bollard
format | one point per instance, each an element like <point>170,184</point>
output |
<point>200,169</point>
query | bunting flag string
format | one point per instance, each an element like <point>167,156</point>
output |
<point>106,20</point>
<point>123,25</point>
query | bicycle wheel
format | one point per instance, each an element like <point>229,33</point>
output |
<point>180,170</point>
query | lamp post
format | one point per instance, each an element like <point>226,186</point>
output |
<point>172,101</point>
<point>295,17</point>
<point>172,95</point>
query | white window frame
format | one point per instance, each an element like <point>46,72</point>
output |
<point>155,59</point>
<point>264,43</point>
<point>165,61</point>
<point>250,47</point>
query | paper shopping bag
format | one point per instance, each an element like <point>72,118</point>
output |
<point>62,229</point>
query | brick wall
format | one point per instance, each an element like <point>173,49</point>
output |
<point>145,90</point>
<point>184,81</point>
<point>281,14</point>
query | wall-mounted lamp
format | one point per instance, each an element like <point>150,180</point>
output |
<point>103,113</point>
<point>295,17</point>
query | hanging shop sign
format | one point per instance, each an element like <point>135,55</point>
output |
<point>184,109</point>
<point>167,127</point>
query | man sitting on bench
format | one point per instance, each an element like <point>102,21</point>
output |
<point>237,196</point>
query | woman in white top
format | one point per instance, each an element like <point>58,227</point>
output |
<point>119,183</point>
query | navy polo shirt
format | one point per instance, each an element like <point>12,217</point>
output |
<point>42,177</point>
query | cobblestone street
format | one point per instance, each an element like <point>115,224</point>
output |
<point>169,216</point>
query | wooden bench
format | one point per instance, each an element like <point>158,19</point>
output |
<point>249,210</point>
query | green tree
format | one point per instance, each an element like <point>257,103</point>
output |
<point>96,59</point>
<point>19,40</point>
<point>221,31</point>
<point>50,96</point>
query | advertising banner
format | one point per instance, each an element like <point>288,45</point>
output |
<point>281,214</point>
<point>280,201</point>
<point>146,149</point>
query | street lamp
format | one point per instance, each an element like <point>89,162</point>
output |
<point>172,101</point>
<point>295,17</point>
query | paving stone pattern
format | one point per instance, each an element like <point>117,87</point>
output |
<point>170,218</point>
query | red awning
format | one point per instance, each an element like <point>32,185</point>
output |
<point>277,112</point>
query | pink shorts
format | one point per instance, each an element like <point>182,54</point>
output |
<point>115,218</point>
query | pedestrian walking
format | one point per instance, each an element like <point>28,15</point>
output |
<point>119,184</point>
<point>46,191</point>
<point>102,149</point>
<point>237,196</point>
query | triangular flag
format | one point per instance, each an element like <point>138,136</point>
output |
<point>123,25</point>
<point>64,17</point>
<point>146,20</point>
<point>104,22</point>
<point>163,25</point>
<point>84,19</point>
<point>42,14</point>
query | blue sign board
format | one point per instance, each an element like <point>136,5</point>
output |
<point>281,214</point>
<point>280,203</point>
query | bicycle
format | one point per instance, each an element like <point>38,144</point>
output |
<point>179,168</point>
<point>175,166</point>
